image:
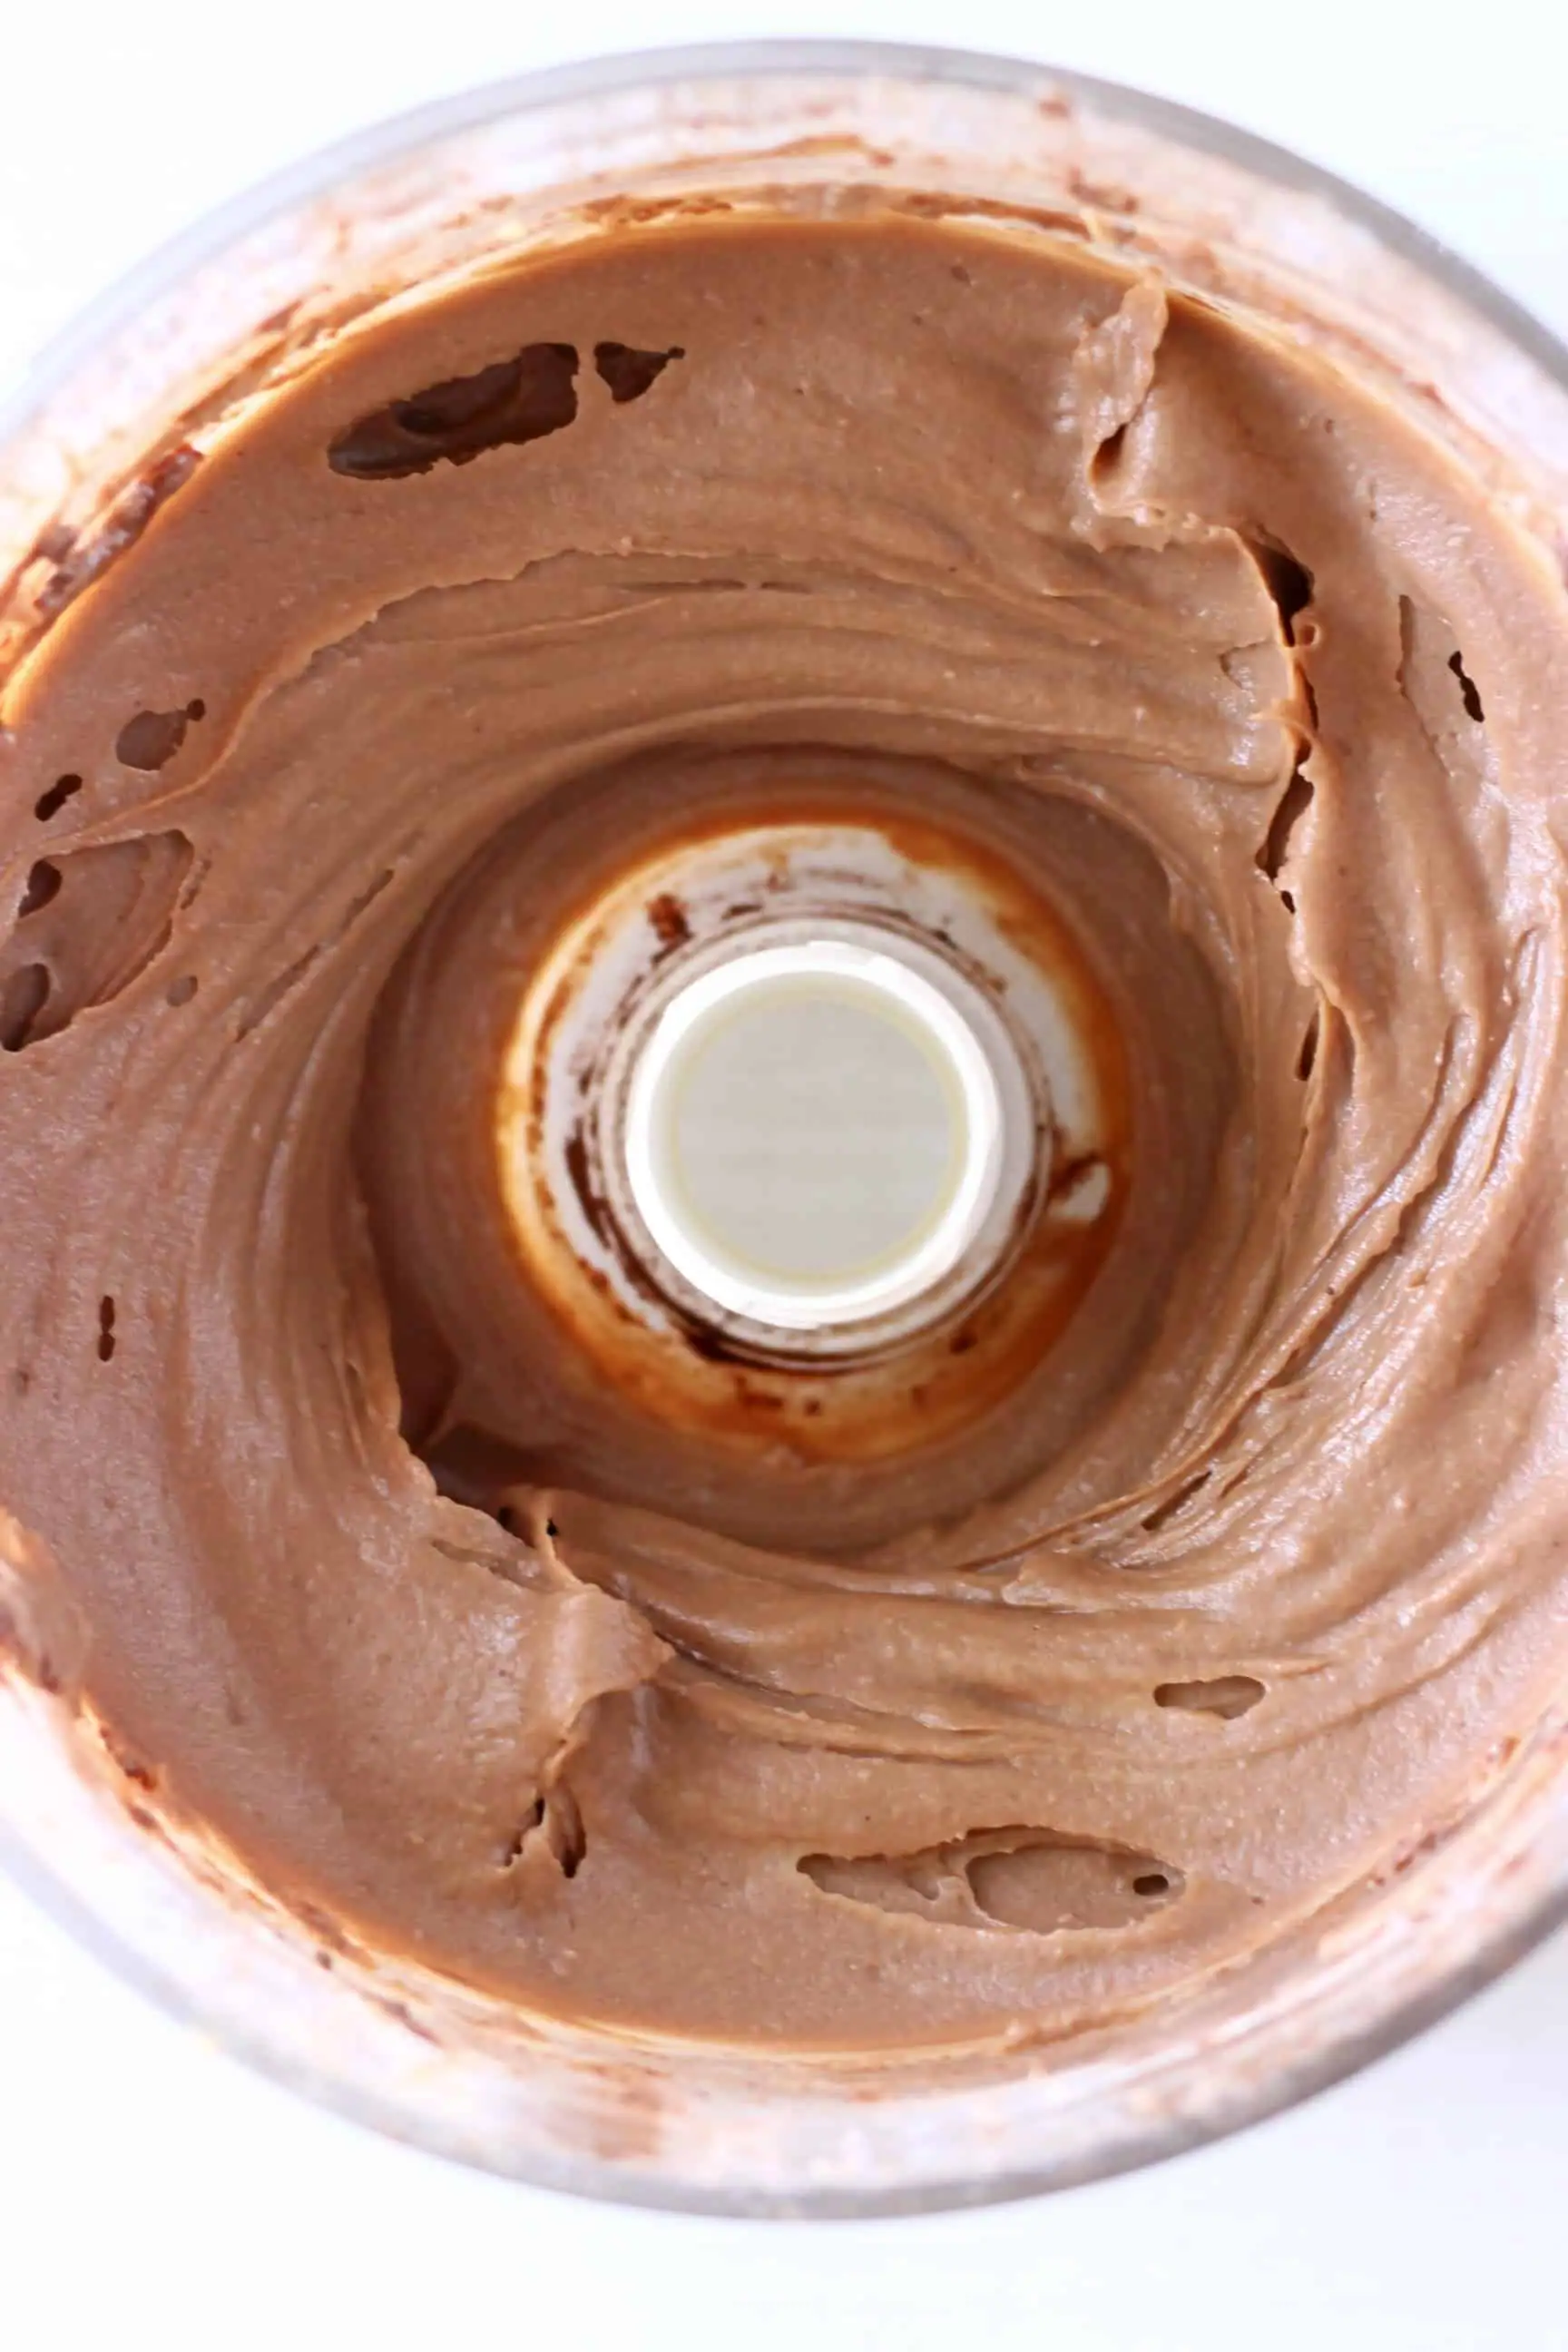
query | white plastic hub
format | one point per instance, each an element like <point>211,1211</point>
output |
<point>814,1133</point>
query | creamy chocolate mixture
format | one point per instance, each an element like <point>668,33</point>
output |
<point>719,1723</point>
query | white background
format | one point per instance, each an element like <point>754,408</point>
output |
<point>154,2194</point>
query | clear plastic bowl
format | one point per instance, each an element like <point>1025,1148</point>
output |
<point>173,355</point>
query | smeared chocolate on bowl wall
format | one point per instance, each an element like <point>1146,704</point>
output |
<point>1012,1712</point>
